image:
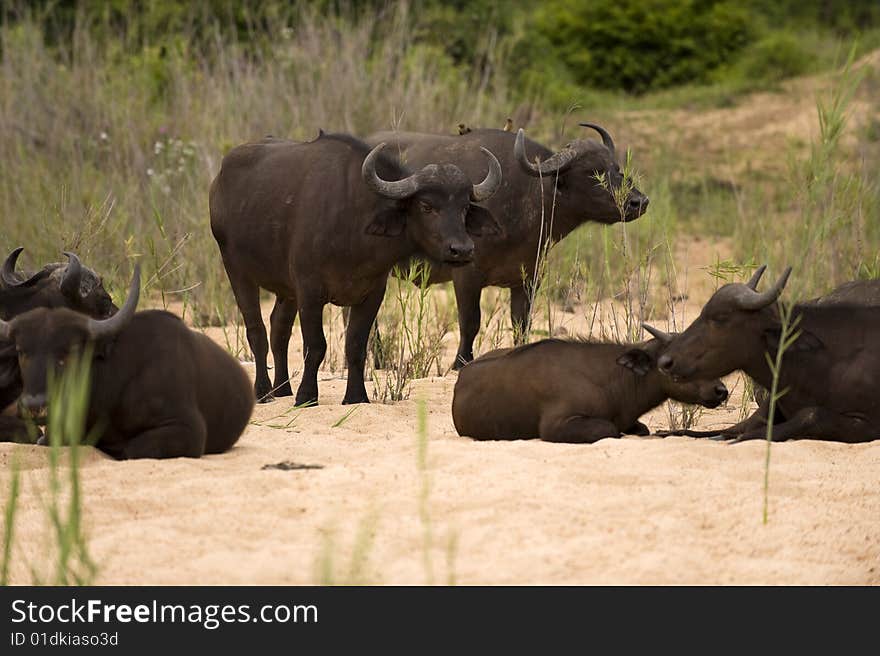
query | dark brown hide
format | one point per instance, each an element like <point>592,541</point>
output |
<point>158,389</point>
<point>530,209</point>
<point>831,373</point>
<point>310,223</point>
<point>568,391</point>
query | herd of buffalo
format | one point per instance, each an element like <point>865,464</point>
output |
<point>326,222</point>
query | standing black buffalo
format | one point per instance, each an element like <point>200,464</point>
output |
<point>830,373</point>
<point>568,391</point>
<point>55,285</point>
<point>158,389</point>
<point>535,202</point>
<point>325,221</point>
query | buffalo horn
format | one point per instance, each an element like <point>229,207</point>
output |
<point>756,277</point>
<point>606,138</point>
<point>556,163</point>
<point>666,338</point>
<point>397,190</point>
<point>72,276</point>
<point>749,299</point>
<point>108,328</point>
<point>7,272</point>
<point>490,185</point>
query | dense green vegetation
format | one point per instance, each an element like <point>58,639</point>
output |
<point>560,50</point>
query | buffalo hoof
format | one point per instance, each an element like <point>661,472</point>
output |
<point>306,400</point>
<point>264,392</point>
<point>639,429</point>
<point>283,389</point>
<point>355,399</point>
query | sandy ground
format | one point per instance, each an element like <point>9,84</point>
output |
<point>633,510</point>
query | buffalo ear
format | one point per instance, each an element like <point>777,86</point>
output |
<point>480,222</point>
<point>387,223</point>
<point>640,362</point>
<point>806,341</point>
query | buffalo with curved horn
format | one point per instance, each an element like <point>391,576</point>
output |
<point>157,388</point>
<point>544,197</point>
<point>70,285</point>
<point>830,368</point>
<point>324,222</point>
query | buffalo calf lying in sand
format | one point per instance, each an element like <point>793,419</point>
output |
<point>158,389</point>
<point>569,391</point>
<point>70,285</point>
<point>830,369</point>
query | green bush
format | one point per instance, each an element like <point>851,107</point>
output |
<point>641,45</point>
<point>777,56</point>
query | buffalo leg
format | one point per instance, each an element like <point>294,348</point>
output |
<point>818,423</point>
<point>467,297</point>
<point>638,428</point>
<point>375,342</point>
<point>314,347</point>
<point>247,295</point>
<point>185,439</point>
<point>281,323</point>
<point>576,429</point>
<point>757,421</point>
<point>520,313</point>
<point>356,336</point>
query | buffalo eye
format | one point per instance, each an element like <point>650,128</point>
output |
<point>719,319</point>
<point>425,207</point>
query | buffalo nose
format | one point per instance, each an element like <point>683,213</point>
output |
<point>721,392</point>
<point>664,363</point>
<point>460,252</point>
<point>33,401</point>
<point>638,203</point>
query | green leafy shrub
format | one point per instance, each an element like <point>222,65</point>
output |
<point>777,56</point>
<point>641,45</point>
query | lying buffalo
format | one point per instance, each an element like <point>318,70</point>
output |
<point>830,373</point>
<point>536,202</point>
<point>70,285</point>
<point>324,222</point>
<point>568,391</point>
<point>855,292</point>
<point>158,389</point>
